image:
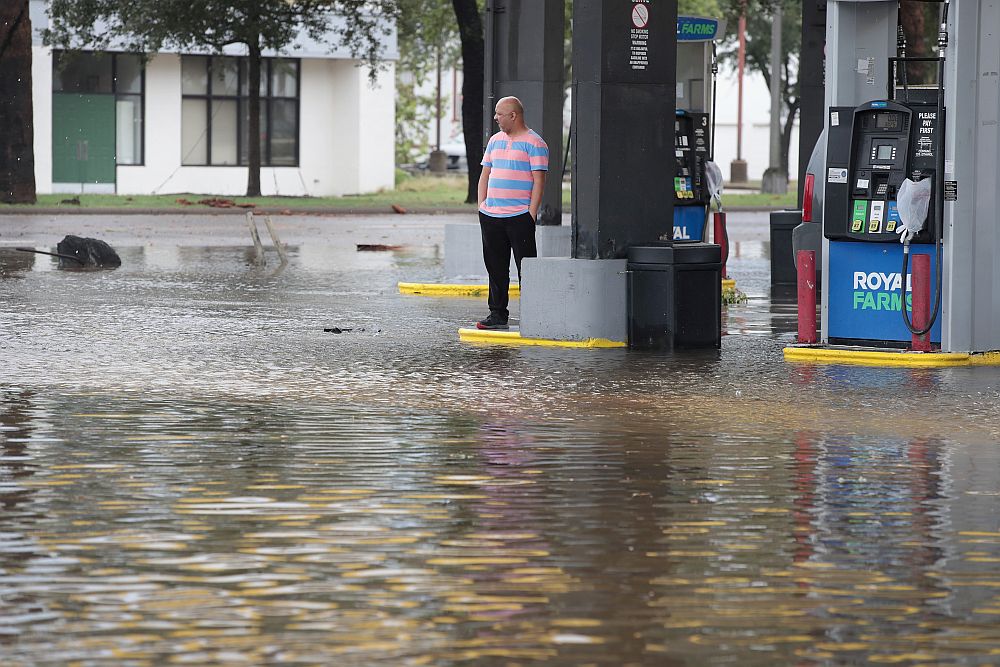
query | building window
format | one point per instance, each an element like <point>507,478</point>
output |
<point>215,111</point>
<point>120,74</point>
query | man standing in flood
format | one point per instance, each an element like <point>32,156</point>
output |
<point>510,191</point>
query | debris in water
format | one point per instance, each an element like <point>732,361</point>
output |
<point>77,252</point>
<point>219,202</point>
<point>377,247</point>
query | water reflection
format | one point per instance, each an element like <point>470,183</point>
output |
<point>191,470</point>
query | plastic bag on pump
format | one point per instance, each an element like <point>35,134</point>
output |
<point>912,202</point>
<point>714,177</point>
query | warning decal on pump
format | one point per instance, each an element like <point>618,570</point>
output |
<point>836,175</point>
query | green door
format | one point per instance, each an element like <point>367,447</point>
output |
<point>83,138</point>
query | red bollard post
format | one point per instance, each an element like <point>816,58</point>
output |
<point>920,313</point>
<point>806,267</point>
<point>719,236</point>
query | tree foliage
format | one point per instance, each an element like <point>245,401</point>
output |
<point>147,26</point>
<point>426,29</point>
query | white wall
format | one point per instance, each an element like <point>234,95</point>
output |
<point>347,128</point>
<point>41,101</point>
<point>377,156</point>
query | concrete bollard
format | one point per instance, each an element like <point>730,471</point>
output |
<point>921,301</point>
<point>807,295</point>
<point>720,236</point>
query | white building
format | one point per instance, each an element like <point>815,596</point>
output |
<point>103,122</point>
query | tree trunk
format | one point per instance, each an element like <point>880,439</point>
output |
<point>786,132</point>
<point>17,157</point>
<point>911,16</point>
<point>470,27</point>
<point>253,123</point>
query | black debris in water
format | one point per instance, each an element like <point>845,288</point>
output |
<point>374,247</point>
<point>78,252</point>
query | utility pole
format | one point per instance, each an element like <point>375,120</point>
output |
<point>438,162</point>
<point>738,167</point>
<point>775,178</point>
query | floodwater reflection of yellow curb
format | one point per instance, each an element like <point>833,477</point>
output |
<point>895,358</point>
<point>514,338</point>
<point>437,289</point>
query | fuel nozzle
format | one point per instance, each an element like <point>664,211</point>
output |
<point>943,29</point>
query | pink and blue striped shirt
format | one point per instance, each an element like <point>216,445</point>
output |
<point>508,191</point>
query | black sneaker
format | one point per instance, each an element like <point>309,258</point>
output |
<point>492,322</point>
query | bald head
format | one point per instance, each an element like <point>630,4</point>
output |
<point>509,115</point>
<point>511,103</point>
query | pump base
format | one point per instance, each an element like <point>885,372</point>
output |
<point>861,356</point>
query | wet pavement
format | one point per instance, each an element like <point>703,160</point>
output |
<point>193,472</point>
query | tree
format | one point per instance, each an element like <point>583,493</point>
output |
<point>758,53</point>
<point>17,158</point>
<point>425,28</point>
<point>146,26</point>
<point>470,30</point>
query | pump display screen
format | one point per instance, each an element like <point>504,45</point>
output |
<point>887,121</point>
<point>883,152</point>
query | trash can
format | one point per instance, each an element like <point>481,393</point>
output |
<point>675,295</point>
<point>782,257</point>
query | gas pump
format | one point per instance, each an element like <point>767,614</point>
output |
<point>694,123</point>
<point>872,150</point>
<point>692,146</point>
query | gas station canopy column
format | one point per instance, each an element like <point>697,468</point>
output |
<point>524,58</point>
<point>624,91</point>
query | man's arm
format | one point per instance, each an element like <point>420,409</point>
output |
<point>537,187</point>
<point>484,179</point>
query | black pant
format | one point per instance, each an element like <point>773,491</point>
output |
<point>500,237</point>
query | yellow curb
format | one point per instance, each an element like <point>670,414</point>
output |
<point>514,338</point>
<point>436,289</point>
<point>900,358</point>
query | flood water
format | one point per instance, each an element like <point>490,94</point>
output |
<point>193,472</point>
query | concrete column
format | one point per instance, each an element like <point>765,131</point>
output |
<point>971,304</point>
<point>524,58</point>
<point>812,77</point>
<point>624,74</point>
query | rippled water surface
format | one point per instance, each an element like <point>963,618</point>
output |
<point>193,472</point>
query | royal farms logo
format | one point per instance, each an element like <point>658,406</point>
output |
<point>880,291</point>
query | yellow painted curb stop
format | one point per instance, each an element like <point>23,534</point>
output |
<point>515,338</point>
<point>437,289</point>
<point>893,358</point>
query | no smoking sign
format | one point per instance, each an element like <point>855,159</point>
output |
<point>640,15</point>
